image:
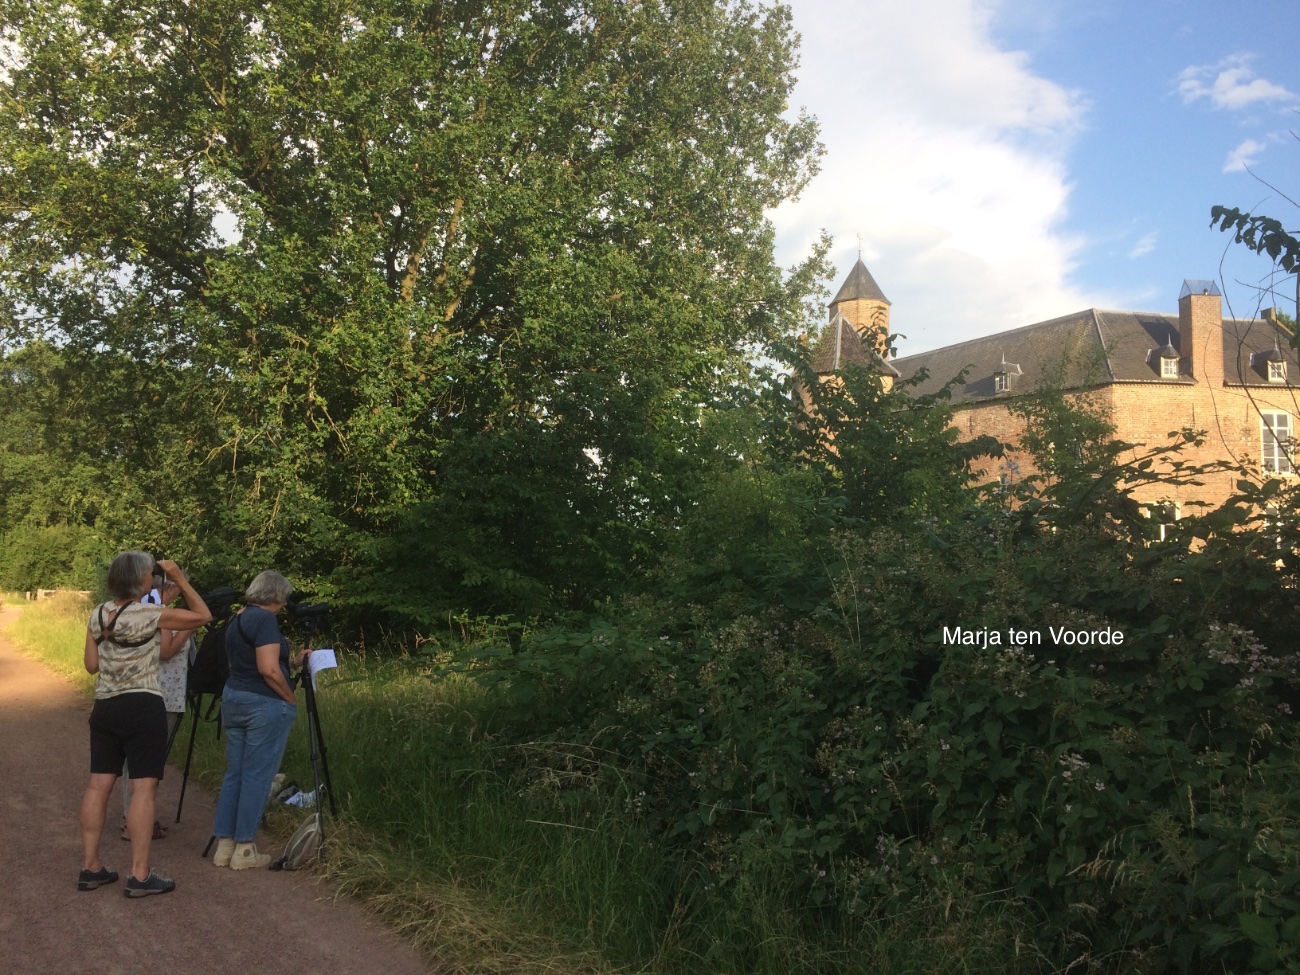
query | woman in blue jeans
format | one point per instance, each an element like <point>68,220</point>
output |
<point>257,708</point>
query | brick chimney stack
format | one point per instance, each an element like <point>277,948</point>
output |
<point>1200,331</point>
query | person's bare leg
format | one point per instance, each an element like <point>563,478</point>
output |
<point>139,824</point>
<point>94,806</point>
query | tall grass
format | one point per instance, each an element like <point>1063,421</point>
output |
<point>491,870</point>
<point>490,875</point>
<point>54,632</point>
<point>549,870</point>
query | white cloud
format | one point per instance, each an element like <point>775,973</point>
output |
<point>1144,246</point>
<point>1243,156</point>
<point>947,154</point>
<point>1230,84</point>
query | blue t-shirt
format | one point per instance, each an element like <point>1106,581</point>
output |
<point>259,628</point>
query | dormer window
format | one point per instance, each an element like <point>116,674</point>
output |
<point>1002,376</point>
<point>1271,364</point>
<point>1167,356</point>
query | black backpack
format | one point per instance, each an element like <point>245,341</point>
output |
<point>208,673</point>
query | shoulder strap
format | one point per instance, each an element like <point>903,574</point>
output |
<point>106,631</point>
<point>239,625</point>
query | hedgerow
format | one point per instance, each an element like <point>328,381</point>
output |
<point>1137,796</point>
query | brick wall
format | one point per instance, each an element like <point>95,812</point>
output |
<point>1229,416</point>
<point>1145,413</point>
<point>869,316</point>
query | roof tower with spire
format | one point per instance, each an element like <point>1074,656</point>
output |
<point>859,286</point>
<point>865,306</point>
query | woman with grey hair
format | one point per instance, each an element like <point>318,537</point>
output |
<point>258,708</point>
<point>128,723</point>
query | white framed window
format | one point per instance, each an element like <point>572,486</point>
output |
<point>1275,442</point>
<point>1273,524</point>
<point>999,382</point>
<point>1277,371</point>
<point>1168,368</point>
<point>1162,515</point>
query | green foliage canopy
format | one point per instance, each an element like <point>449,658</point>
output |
<point>338,236</point>
<point>793,701</point>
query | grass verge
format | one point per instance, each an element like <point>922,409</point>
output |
<point>54,632</point>
<point>547,871</point>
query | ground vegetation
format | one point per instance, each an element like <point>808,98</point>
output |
<point>465,316</point>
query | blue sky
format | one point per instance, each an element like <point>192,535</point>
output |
<point>1009,161</point>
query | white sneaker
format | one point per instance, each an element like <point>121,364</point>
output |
<point>246,857</point>
<point>225,850</point>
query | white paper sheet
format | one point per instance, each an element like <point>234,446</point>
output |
<point>318,660</point>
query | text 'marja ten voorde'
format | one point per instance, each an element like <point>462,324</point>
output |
<point>1057,636</point>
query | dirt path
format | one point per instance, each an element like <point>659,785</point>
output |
<point>216,923</point>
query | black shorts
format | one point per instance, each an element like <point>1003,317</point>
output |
<point>129,728</point>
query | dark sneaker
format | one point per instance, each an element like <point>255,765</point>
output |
<point>90,879</point>
<point>152,884</point>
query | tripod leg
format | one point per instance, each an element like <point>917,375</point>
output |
<point>176,728</point>
<point>325,766</point>
<point>189,755</point>
<point>316,751</point>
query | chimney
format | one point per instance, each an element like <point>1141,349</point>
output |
<point>1200,330</point>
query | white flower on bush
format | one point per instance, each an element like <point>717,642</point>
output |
<point>1071,763</point>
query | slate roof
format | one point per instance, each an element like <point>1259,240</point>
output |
<point>1095,348</point>
<point>859,284</point>
<point>840,345</point>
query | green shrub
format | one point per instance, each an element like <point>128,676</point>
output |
<point>1139,794</point>
<point>50,557</point>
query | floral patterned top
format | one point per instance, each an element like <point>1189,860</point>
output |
<point>172,674</point>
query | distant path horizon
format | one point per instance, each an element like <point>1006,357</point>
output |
<point>217,922</point>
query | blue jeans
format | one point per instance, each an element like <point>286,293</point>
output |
<point>257,729</point>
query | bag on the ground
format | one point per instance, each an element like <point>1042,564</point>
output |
<point>302,848</point>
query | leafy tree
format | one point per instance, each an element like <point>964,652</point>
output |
<point>1262,234</point>
<point>48,503</point>
<point>339,237</point>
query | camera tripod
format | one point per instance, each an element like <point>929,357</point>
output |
<point>320,769</point>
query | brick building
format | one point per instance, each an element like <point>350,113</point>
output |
<point>1238,380</point>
